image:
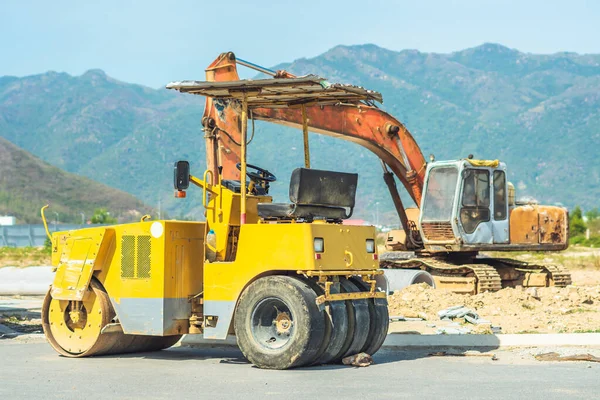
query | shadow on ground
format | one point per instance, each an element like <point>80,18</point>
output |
<point>232,355</point>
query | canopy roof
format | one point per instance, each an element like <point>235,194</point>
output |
<point>282,92</point>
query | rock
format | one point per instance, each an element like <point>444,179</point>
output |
<point>482,329</point>
<point>358,360</point>
<point>533,292</point>
<point>6,332</point>
<point>452,331</point>
<point>411,314</point>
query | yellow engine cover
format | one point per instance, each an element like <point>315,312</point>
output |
<point>149,270</point>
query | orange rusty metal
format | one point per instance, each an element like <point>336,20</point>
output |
<point>534,224</point>
<point>363,124</point>
<point>438,231</point>
<point>221,150</point>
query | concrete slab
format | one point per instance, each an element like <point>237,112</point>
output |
<point>449,341</point>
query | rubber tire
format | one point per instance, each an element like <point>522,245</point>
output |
<point>309,323</point>
<point>349,336</point>
<point>380,320</point>
<point>362,320</point>
<point>336,323</point>
<point>326,320</point>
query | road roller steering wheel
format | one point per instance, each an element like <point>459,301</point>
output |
<point>259,174</point>
<point>259,179</point>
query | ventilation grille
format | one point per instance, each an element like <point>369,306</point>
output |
<point>438,231</point>
<point>136,254</point>
<point>128,257</point>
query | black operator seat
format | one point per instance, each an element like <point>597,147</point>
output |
<point>315,194</point>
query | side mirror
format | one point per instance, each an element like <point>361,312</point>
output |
<point>181,176</point>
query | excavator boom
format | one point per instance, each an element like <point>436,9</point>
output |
<point>367,126</point>
<point>361,122</point>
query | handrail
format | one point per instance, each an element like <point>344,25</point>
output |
<point>45,222</point>
<point>206,184</point>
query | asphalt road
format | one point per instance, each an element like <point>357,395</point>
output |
<point>34,371</point>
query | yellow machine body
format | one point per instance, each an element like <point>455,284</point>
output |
<point>288,279</point>
<point>157,276</point>
<point>149,270</point>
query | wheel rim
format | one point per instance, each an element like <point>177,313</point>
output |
<point>75,325</point>
<point>272,323</point>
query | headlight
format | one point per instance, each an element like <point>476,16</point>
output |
<point>319,244</point>
<point>370,246</point>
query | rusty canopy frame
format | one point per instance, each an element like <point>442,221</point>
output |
<point>297,92</point>
<point>280,93</point>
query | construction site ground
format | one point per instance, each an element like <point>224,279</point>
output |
<point>31,369</point>
<point>573,309</point>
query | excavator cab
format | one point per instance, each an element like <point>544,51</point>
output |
<point>468,206</point>
<point>464,203</point>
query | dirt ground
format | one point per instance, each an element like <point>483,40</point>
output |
<point>542,310</point>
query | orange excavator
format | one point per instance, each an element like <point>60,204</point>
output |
<point>464,207</point>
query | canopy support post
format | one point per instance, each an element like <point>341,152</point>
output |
<point>305,135</point>
<point>243,158</point>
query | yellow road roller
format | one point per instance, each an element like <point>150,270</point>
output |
<point>293,283</point>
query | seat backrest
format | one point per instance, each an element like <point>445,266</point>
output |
<point>323,188</point>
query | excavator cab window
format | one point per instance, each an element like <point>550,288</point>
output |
<point>440,193</point>
<point>500,209</point>
<point>475,199</point>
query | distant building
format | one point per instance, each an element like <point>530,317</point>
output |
<point>354,222</point>
<point>7,220</point>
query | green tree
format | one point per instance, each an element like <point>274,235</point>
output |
<point>592,214</point>
<point>576,225</point>
<point>101,216</point>
<point>48,246</point>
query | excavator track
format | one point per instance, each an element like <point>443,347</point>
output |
<point>481,274</point>
<point>560,276</point>
<point>522,272</point>
<point>460,278</point>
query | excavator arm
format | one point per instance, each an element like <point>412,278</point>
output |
<point>362,123</point>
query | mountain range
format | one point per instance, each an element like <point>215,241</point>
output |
<point>538,113</point>
<point>27,183</point>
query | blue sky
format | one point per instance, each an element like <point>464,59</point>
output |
<point>153,42</point>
